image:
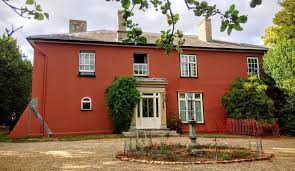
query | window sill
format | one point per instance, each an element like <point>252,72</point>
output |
<point>188,77</point>
<point>85,110</point>
<point>186,122</point>
<point>86,74</point>
<point>140,76</point>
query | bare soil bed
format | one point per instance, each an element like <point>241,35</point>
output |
<point>203,154</point>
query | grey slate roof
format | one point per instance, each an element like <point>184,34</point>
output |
<point>110,37</point>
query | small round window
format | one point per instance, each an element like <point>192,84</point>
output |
<point>86,103</point>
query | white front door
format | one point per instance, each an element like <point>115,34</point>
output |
<point>149,111</point>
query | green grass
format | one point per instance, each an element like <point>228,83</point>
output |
<point>4,137</point>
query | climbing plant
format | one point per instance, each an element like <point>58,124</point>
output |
<point>122,97</point>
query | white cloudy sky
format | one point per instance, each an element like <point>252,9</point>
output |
<point>102,15</point>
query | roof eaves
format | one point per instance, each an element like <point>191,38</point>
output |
<point>89,41</point>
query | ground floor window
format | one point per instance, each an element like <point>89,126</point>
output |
<point>86,104</point>
<point>190,106</point>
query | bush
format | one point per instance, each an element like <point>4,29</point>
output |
<point>247,99</point>
<point>122,97</point>
<point>174,123</point>
<point>287,116</point>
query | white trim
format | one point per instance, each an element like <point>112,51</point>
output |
<point>142,70</point>
<point>194,107</point>
<point>149,122</point>
<point>91,56</point>
<point>248,68</point>
<point>189,64</point>
<point>86,100</point>
<point>142,65</point>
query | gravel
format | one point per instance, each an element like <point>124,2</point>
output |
<point>100,155</point>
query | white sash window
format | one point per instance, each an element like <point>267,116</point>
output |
<point>190,107</point>
<point>87,63</point>
<point>188,66</point>
<point>253,66</point>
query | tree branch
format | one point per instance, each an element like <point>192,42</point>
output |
<point>9,33</point>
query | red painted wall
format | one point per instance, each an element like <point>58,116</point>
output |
<point>60,89</point>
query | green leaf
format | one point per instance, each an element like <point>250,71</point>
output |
<point>229,30</point>
<point>232,7</point>
<point>223,26</point>
<point>46,15</point>
<point>125,4</point>
<point>38,8</point>
<point>30,2</point>
<point>142,40</point>
<point>235,13</point>
<point>238,27</point>
<point>38,16</point>
<point>242,19</point>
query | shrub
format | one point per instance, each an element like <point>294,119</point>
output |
<point>122,97</point>
<point>287,116</point>
<point>174,123</point>
<point>247,99</point>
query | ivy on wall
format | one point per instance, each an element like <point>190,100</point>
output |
<point>122,97</point>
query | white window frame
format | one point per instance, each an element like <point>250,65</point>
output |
<point>194,108</point>
<point>82,63</point>
<point>191,65</point>
<point>86,100</point>
<point>142,66</point>
<point>249,66</point>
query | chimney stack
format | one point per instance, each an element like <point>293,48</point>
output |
<point>76,26</point>
<point>205,30</point>
<point>122,30</point>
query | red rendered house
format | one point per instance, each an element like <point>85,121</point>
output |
<point>72,71</point>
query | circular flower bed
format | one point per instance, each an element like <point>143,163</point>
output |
<point>178,154</point>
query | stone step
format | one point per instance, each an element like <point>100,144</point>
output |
<point>153,133</point>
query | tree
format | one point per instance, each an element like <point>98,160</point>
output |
<point>279,62</point>
<point>284,24</point>
<point>15,79</point>
<point>28,10</point>
<point>230,19</point>
<point>247,99</point>
<point>122,97</point>
<point>287,116</point>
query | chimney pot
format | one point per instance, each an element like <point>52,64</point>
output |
<point>76,26</point>
<point>205,30</point>
<point>122,30</point>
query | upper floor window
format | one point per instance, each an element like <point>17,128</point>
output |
<point>87,63</point>
<point>188,66</point>
<point>253,66</point>
<point>140,65</point>
<point>190,107</point>
<point>86,103</point>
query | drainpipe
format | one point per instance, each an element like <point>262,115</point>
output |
<point>44,83</point>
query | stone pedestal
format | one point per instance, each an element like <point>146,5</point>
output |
<point>192,135</point>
